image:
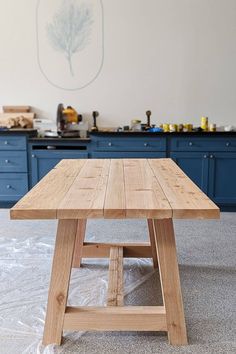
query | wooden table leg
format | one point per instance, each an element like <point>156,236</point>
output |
<point>60,278</point>
<point>80,236</point>
<point>153,242</point>
<point>170,281</point>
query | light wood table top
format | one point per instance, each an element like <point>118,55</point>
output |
<point>117,189</point>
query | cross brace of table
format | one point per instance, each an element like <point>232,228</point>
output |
<point>69,250</point>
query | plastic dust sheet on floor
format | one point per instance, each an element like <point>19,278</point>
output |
<point>25,264</point>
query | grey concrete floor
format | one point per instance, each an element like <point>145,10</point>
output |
<point>206,251</point>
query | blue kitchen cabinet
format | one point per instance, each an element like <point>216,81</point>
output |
<point>127,155</point>
<point>13,186</point>
<point>211,163</point>
<point>195,165</point>
<point>111,146</point>
<point>43,161</point>
<point>13,168</point>
<point>222,178</point>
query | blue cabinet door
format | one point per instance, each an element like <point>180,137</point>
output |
<point>222,178</point>
<point>13,186</point>
<point>195,165</point>
<point>43,161</point>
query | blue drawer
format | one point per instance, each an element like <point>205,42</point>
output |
<point>127,155</point>
<point>12,142</point>
<point>203,144</point>
<point>130,144</point>
<point>13,161</point>
<point>13,186</point>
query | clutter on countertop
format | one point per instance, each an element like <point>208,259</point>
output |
<point>16,117</point>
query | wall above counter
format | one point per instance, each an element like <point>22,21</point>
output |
<point>178,62</point>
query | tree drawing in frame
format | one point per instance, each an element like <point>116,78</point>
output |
<point>70,29</point>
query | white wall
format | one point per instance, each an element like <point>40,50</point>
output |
<point>175,57</point>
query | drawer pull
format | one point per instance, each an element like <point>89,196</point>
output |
<point>146,144</point>
<point>109,144</point>
<point>211,156</point>
<point>227,144</point>
<point>7,161</point>
<point>6,142</point>
<point>190,143</point>
<point>33,155</point>
<point>205,156</point>
<point>8,186</point>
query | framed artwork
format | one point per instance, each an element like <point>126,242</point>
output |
<point>70,41</point>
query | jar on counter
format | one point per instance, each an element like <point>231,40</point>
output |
<point>173,128</point>
<point>212,127</point>
<point>166,127</point>
<point>204,123</point>
<point>136,125</point>
<point>188,127</point>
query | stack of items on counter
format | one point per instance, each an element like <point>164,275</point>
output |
<point>136,125</point>
<point>16,117</point>
<point>189,127</point>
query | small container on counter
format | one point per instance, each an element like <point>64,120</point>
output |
<point>204,123</point>
<point>212,127</point>
<point>166,128</point>
<point>188,127</point>
<point>173,128</point>
<point>136,125</point>
<point>180,128</point>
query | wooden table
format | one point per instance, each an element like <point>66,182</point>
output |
<point>153,189</point>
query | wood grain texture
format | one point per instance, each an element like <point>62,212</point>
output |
<point>128,318</point>
<point>144,196</point>
<point>43,199</point>
<point>186,199</point>
<point>59,285</point>
<point>125,188</point>
<point>130,250</point>
<point>170,281</point>
<point>115,206</point>
<point>80,236</point>
<point>115,296</point>
<point>85,198</point>
<point>153,242</point>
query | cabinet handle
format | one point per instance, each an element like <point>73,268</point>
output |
<point>211,156</point>
<point>8,186</point>
<point>109,144</point>
<point>146,144</point>
<point>6,142</point>
<point>190,143</point>
<point>205,156</point>
<point>227,144</point>
<point>33,155</point>
<point>7,161</point>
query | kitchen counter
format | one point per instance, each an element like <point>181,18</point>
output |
<point>28,132</point>
<point>55,140</point>
<point>145,134</point>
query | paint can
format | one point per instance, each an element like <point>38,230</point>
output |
<point>204,123</point>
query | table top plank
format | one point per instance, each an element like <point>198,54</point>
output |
<point>85,198</point>
<point>186,199</point>
<point>42,201</point>
<point>110,188</point>
<point>144,196</point>
<point>115,206</point>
